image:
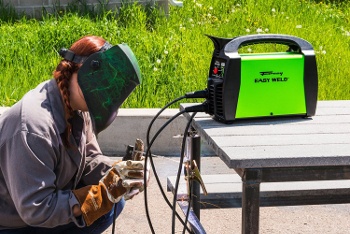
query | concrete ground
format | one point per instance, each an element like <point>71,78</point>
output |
<point>293,219</point>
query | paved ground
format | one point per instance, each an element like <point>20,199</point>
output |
<point>297,219</point>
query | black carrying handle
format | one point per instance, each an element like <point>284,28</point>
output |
<point>293,42</point>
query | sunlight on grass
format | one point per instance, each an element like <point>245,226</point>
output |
<point>173,52</point>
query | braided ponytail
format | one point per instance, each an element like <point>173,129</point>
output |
<point>64,71</point>
<point>63,74</point>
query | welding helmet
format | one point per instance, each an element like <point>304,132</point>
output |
<point>106,79</point>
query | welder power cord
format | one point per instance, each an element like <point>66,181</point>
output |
<point>196,94</point>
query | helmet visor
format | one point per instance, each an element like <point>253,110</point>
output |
<point>106,79</point>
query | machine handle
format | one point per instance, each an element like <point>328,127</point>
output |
<point>293,42</point>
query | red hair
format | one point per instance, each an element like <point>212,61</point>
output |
<point>85,46</point>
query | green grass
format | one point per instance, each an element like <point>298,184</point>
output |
<point>173,52</point>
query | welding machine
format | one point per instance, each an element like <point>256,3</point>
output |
<point>254,85</point>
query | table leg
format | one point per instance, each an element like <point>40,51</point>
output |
<point>196,155</point>
<point>250,201</point>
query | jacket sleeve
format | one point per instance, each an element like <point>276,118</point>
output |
<point>28,162</point>
<point>96,163</point>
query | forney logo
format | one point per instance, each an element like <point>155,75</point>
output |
<point>277,77</point>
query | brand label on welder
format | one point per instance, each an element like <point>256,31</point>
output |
<point>275,77</point>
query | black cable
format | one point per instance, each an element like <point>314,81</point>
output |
<point>197,107</point>
<point>179,172</point>
<point>196,94</point>
<point>159,112</point>
<point>148,154</point>
<point>188,205</point>
<point>154,170</point>
<point>157,177</point>
<point>145,192</point>
<point>114,217</point>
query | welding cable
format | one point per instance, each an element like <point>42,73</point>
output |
<point>176,187</point>
<point>149,127</point>
<point>114,217</point>
<point>155,173</point>
<point>196,94</point>
<point>148,156</point>
<point>189,203</point>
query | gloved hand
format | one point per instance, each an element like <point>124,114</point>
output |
<point>132,175</point>
<point>125,178</point>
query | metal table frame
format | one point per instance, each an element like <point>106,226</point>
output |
<point>253,177</point>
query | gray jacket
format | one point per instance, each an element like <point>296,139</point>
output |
<point>37,173</point>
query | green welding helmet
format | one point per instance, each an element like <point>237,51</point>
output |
<point>106,79</point>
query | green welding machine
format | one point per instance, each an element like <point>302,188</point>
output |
<point>255,85</point>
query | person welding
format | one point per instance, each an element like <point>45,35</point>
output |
<point>53,175</point>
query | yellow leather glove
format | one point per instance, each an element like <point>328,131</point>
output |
<point>124,178</point>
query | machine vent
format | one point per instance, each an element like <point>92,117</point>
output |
<point>215,99</point>
<point>211,91</point>
<point>219,100</point>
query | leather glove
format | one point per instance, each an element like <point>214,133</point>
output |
<point>135,186</point>
<point>132,174</point>
<point>136,153</point>
<point>124,178</point>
